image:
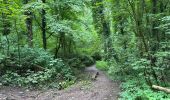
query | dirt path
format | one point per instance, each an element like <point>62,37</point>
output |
<point>100,89</point>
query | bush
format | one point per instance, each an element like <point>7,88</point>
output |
<point>133,89</point>
<point>80,61</point>
<point>32,79</point>
<point>136,88</point>
<point>87,60</point>
<point>102,65</point>
<point>75,63</point>
<point>97,56</point>
<point>33,67</point>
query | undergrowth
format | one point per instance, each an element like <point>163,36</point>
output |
<point>137,80</point>
<point>102,65</point>
<point>34,68</point>
<point>137,89</point>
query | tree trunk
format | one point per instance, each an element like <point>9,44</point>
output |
<point>155,32</point>
<point>43,29</point>
<point>29,25</point>
<point>97,11</point>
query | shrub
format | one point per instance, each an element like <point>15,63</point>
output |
<point>133,89</point>
<point>33,67</point>
<point>32,79</point>
<point>87,60</point>
<point>102,65</point>
<point>97,56</point>
<point>134,84</point>
<point>75,63</point>
<point>80,61</point>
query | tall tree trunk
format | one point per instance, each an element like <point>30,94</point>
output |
<point>155,32</point>
<point>97,13</point>
<point>162,9</point>
<point>29,29</point>
<point>18,44</point>
<point>28,13</point>
<point>137,15</point>
<point>107,40</point>
<point>43,29</point>
<point>58,46</point>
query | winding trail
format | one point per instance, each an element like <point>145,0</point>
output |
<point>100,89</point>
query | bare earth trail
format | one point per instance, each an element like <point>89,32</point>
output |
<point>100,89</point>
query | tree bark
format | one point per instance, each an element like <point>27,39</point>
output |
<point>155,33</point>
<point>43,28</point>
<point>29,25</point>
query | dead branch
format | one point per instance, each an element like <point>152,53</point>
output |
<point>161,88</point>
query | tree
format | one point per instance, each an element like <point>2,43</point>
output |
<point>43,27</point>
<point>102,26</point>
<point>29,19</point>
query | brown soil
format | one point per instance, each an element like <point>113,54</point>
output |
<point>100,89</point>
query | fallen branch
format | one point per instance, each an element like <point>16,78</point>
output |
<point>161,88</point>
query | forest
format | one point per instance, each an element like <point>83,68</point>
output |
<point>48,45</point>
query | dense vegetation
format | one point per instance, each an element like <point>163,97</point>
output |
<point>46,40</point>
<point>136,45</point>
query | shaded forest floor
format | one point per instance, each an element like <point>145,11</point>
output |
<point>100,89</point>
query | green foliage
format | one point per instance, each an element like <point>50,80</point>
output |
<point>136,89</point>
<point>75,63</point>
<point>102,65</point>
<point>133,36</point>
<point>87,60</point>
<point>97,56</point>
<point>41,79</point>
<point>33,67</point>
<point>80,61</point>
<point>30,79</point>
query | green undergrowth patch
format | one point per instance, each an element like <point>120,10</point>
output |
<point>102,65</point>
<point>133,84</point>
<point>80,61</point>
<point>137,89</point>
<point>34,67</point>
<point>134,87</point>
